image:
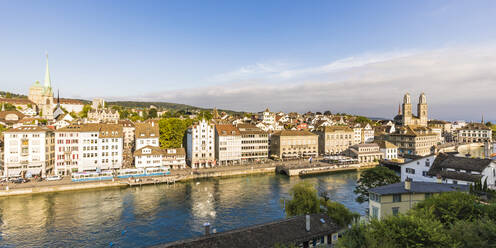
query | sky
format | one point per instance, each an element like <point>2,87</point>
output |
<point>358,57</point>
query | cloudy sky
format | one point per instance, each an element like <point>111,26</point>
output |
<point>358,57</point>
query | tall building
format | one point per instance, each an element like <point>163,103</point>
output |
<point>227,144</point>
<point>200,145</point>
<point>28,150</point>
<point>88,147</point>
<point>42,96</point>
<point>254,143</point>
<point>412,140</point>
<point>406,118</point>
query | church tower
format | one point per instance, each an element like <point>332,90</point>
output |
<point>47,104</point>
<point>422,110</point>
<point>407,110</point>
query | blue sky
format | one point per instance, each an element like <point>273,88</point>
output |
<point>245,55</point>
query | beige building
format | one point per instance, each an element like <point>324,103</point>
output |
<point>474,133</point>
<point>335,139</point>
<point>398,198</point>
<point>227,144</point>
<point>365,153</point>
<point>254,143</point>
<point>414,140</point>
<point>294,144</point>
<point>406,118</point>
<point>174,158</point>
<point>103,115</point>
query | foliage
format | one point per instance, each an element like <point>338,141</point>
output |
<point>73,114</point>
<point>8,107</point>
<point>479,233</point>
<point>338,212</point>
<point>489,124</point>
<point>11,95</point>
<point>84,112</point>
<point>2,128</point>
<point>362,119</point>
<point>152,113</point>
<point>304,200</point>
<point>327,112</point>
<point>374,177</point>
<point>355,237</point>
<point>172,131</point>
<point>449,207</point>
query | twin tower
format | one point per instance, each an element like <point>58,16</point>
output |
<point>408,118</point>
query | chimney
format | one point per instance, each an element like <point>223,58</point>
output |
<point>207,228</point>
<point>408,184</point>
<point>307,222</point>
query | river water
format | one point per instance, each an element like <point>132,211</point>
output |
<point>154,214</point>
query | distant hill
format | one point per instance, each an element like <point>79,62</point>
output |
<point>165,105</point>
<point>11,95</point>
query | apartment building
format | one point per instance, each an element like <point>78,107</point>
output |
<point>227,144</point>
<point>29,150</point>
<point>88,147</point>
<point>365,153</point>
<point>474,133</point>
<point>294,144</point>
<point>410,140</point>
<point>174,158</point>
<point>148,156</point>
<point>200,145</point>
<point>334,139</point>
<point>254,143</point>
<point>146,134</point>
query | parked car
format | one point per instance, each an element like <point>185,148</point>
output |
<point>18,180</point>
<point>53,178</point>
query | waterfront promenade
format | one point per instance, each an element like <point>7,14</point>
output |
<point>181,175</point>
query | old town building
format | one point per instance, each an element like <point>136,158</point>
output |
<point>406,118</point>
<point>334,139</point>
<point>294,144</point>
<point>254,143</point>
<point>146,134</point>
<point>365,153</point>
<point>200,145</point>
<point>227,144</point>
<point>474,133</point>
<point>414,140</point>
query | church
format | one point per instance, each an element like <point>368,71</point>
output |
<point>405,115</point>
<point>42,97</point>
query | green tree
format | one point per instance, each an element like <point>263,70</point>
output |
<point>371,178</point>
<point>9,107</point>
<point>8,95</point>
<point>478,233</point>
<point>172,131</point>
<point>362,119</point>
<point>304,200</point>
<point>84,112</point>
<point>355,237</point>
<point>2,128</point>
<point>338,212</point>
<point>152,113</point>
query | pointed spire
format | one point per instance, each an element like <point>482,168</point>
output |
<point>482,120</point>
<point>399,108</point>
<point>58,98</point>
<point>48,82</point>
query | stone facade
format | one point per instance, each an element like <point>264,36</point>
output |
<point>294,144</point>
<point>335,139</point>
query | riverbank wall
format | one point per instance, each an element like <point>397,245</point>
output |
<point>60,188</point>
<point>228,173</point>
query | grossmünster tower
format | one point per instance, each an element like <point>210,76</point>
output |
<point>42,95</point>
<point>408,119</point>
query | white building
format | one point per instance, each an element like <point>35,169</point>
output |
<point>103,116</point>
<point>417,169</point>
<point>146,134</point>
<point>389,150</point>
<point>88,147</point>
<point>254,143</point>
<point>268,117</point>
<point>174,158</point>
<point>367,133</point>
<point>227,144</point>
<point>28,150</point>
<point>148,156</point>
<point>200,145</point>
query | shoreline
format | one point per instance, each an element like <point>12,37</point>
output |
<point>177,176</point>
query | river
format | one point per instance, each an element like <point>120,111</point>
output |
<point>150,215</point>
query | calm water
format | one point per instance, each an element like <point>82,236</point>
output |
<point>138,217</point>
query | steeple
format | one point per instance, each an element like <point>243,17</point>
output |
<point>58,98</point>
<point>399,108</point>
<point>482,120</point>
<point>48,83</point>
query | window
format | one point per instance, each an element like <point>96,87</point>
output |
<point>410,171</point>
<point>396,210</point>
<point>375,212</point>
<point>397,198</point>
<point>428,195</point>
<point>424,173</point>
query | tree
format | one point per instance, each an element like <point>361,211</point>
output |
<point>172,131</point>
<point>8,95</point>
<point>489,124</point>
<point>371,178</point>
<point>2,128</point>
<point>479,233</point>
<point>363,119</point>
<point>84,112</point>
<point>355,237</point>
<point>152,113</point>
<point>327,112</point>
<point>338,212</point>
<point>304,200</point>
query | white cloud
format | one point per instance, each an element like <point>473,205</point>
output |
<point>460,83</point>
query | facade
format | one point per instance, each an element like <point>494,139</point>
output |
<point>268,117</point>
<point>294,144</point>
<point>474,133</point>
<point>398,198</point>
<point>417,169</point>
<point>174,158</point>
<point>254,143</point>
<point>365,153</point>
<point>71,105</point>
<point>28,150</point>
<point>389,150</point>
<point>42,96</point>
<point>200,145</point>
<point>128,129</point>
<point>88,147</point>
<point>411,140</point>
<point>335,139</point>
<point>103,116</point>
<point>146,134</point>
<point>227,144</point>
<point>148,156</point>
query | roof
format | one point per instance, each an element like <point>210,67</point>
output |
<point>444,160</point>
<point>155,150</point>
<point>105,130</point>
<point>146,130</point>
<point>475,126</point>
<point>385,144</point>
<point>179,151</point>
<point>227,130</point>
<point>70,101</point>
<point>29,129</point>
<point>294,133</point>
<point>126,123</point>
<point>4,114</point>
<point>285,231</point>
<point>249,129</point>
<point>335,128</point>
<point>16,101</point>
<point>418,187</point>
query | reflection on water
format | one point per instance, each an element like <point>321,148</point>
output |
<point>143,216</point>
<point>476,152</point>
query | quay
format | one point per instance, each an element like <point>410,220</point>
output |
<point>290,168</point>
